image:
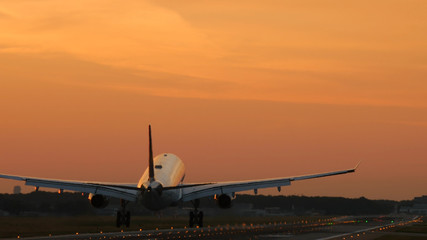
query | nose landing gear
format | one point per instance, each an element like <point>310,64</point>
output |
<point>123,216</point>
<point>196,216</point>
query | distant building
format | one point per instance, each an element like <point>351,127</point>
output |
<point>419,206</point>
<point>421,200</point>
<point>17,190</point>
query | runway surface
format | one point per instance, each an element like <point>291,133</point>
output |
<point>338,228</point>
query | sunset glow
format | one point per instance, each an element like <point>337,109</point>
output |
<point>237,89</point>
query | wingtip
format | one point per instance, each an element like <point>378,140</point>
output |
<point>357,165</point>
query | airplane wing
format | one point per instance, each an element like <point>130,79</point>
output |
<point>123,191</point>
<point>196,191</point>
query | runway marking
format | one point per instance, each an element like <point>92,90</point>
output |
<point>362,230</point>
<point>351,233</point>
<point>277,236</point>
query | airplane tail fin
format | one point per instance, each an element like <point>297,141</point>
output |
<point>150,157</point>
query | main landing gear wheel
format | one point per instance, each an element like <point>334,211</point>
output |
<point>119,219</point>
<point>127,219</point>
<point>196,217</point>
<point>123,216</point>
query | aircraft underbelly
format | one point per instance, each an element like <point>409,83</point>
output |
<point>154,201</point>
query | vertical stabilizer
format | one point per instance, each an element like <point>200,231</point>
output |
<point>150,157</point>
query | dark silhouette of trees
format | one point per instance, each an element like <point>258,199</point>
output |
<point>48,203</point>
<point>325,205</point>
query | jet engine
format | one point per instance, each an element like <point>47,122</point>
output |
<point>98,201</point>
<point>224,200</point>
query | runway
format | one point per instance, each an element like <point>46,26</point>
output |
<point>327,229</point>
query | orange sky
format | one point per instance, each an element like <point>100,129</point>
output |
<point>237,89</point>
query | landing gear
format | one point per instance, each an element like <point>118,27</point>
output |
<point>123,216</point>
<point>196,217</point>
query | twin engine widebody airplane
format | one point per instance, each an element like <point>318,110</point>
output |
<point>162,186</point>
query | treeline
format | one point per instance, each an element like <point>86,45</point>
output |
<point>48,203</point>
<point>323,205</point>
<point>45,203</point>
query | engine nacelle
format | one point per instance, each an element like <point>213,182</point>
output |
<point>98,201</point>
<point>224,200</point>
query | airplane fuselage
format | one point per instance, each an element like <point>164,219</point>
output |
<point>169,171</point>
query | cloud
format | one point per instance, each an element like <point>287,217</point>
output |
<point>134,35</point>
<point>276,51</point>
<point>64,70</point>
<point>4,13</point>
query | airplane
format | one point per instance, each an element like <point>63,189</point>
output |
<point>162,185</point>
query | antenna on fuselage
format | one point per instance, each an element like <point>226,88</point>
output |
<point>150,157</point>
